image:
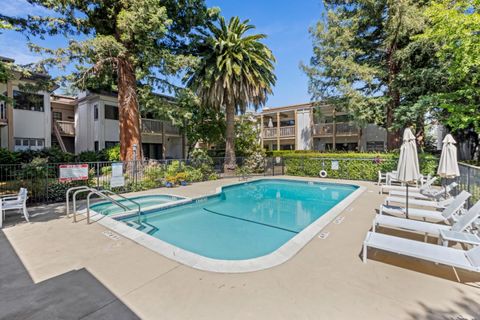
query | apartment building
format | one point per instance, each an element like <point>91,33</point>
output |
<point>87,122</point>
<point>26,123</point>
<point>306,127</point>
<point>97,127</point>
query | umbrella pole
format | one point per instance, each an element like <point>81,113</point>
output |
<point>407,201</point>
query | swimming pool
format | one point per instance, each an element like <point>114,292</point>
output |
<point>245,222</point>
<point>145,202</point>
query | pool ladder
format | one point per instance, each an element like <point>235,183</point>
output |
<point>104,194</point>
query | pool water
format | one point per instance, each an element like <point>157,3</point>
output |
<point>107,208</point>
<point>244,221</point>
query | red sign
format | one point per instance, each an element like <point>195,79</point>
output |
<point>73,172</point>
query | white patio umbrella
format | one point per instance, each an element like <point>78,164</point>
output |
<point>448,165</point>
<point>270,123</point>
<point>408,169</point>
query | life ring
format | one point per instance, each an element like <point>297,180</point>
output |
<point>323,174</point>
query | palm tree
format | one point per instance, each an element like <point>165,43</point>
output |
<point>235,71</point>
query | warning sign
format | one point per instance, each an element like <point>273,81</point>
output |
<point>73,172</point>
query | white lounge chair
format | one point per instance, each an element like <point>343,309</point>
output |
<point>423,203</point>
<point>456,258</point>
<point>18,202</point>
<point>428,228</point>
<point>426,194</point>
<point>431,215</point>
<point>425,187</point>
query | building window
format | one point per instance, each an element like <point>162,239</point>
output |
<point>95,145</point>
<point>110,144</point>
<point>111,112</point>
<point>95,112</point>
<point>29,144</point>
<point>28,101</point>
<point>57,116</point>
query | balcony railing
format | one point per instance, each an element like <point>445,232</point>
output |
<point>3,113</point>
<point>152,126</point>
<point>271,133</point>
<point>343,129</point>
<point>66,128</point>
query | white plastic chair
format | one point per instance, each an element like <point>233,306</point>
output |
<point>382,178</point>
<point>18,202</point>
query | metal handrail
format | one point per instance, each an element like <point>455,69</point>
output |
<point>125,198</point>
<point>85,188</point>
<point>106,197</point>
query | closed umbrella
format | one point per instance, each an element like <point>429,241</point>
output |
<point>270,123</point>
<point>448,166</point>
<point>408,169</point>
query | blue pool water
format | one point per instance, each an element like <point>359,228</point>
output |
<point>245,221</point>
<point>107,208</point>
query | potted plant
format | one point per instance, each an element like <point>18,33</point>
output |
<point>170,181</point>
<point>182,178</point>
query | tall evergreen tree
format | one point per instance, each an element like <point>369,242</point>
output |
<point>127,44</point>
<point>356,56</point>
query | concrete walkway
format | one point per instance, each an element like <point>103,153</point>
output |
<point>75,294</point>
<point>325,280</point>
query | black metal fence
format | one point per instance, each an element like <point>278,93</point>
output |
<point>42,179</point>
<point>44,186</point>
<point>469,180</point>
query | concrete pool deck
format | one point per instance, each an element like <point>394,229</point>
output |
<point>325,280</point>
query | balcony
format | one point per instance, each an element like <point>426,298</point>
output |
<point>152,126</point>
<point>66,128</point>
<point>285,132</point>
<point>344,129</point>
<point>3,114</point>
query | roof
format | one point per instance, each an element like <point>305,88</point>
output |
<point>292,107</point>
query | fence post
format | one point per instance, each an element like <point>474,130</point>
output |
<point>46,183</point>
<point>97,169</point>
<point>283,165</point>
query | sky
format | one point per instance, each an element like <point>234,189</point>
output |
<point>285,23</point>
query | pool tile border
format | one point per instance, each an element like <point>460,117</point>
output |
<point>279,256</point>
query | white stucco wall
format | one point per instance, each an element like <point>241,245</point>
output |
<point>111,131</point>
<point>34,124</point>
<point>304,130</point>
<point>84,127</point>
<point>174,147</point>
<point>373,133</point>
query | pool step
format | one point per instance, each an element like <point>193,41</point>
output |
<point>142,226</point>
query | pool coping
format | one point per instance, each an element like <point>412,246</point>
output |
<point>287,251</point>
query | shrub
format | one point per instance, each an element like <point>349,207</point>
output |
<point>350,168</point>
<point>194,175</point>
<point>87,156</point>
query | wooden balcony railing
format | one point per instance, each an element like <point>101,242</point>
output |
<point>271,133</point>
<point>343,129</point>
<point>152,126</point>
<point>66,128</point>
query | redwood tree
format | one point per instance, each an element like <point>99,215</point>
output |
<point>119,44</point>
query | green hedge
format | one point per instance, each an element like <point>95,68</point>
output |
<point>353,166</point>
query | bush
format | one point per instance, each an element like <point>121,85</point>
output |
<point>87,156</point>
<point>351,167</point>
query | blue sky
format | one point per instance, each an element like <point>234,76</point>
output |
<point>284,22</point>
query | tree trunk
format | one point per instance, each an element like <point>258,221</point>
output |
<point>393,135</point>
<point>334,131</point>
<point>359,142</point>
<point>129,117</point>
<point>230,159</point>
